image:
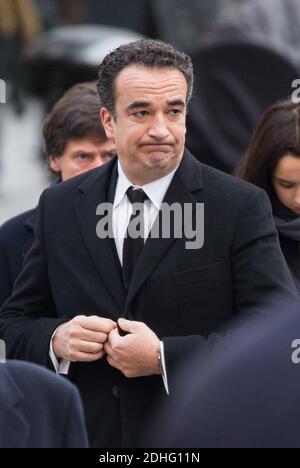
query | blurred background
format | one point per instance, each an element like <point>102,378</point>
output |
<point>245,52</point>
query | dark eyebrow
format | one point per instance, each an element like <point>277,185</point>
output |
<point>145,104</point>
<point>176,102</point>
<point>85,153</point>
<point>138,105</point>
<point>283,180</point>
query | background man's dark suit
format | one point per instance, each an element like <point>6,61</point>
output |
<point>16,238</point>
<point>182,295</point>
<point>38,409</point>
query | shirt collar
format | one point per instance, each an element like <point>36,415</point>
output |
<point>155,191</point>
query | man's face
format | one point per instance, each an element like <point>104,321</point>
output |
<point>82,155</point>
<point>286,181</point>
<point>150,123</point>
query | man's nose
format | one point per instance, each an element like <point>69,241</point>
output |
<point>158,128</point>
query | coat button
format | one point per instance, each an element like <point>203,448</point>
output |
<point>116,391</point>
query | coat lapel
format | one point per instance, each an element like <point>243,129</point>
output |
<point>100,188</point>
<point>29,225</point>
<point>14,430</point>
<point>187,180</point>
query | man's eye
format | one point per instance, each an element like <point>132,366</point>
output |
<point>287,186</point>
<point>140,114</point>
<point>82,157</point>
<point>175,112</point>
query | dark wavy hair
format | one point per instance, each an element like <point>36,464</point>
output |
<point>75,115</point>
<point>147,53</point>
<point>277,134</point>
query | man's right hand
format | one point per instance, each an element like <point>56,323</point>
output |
<point>82,339</point>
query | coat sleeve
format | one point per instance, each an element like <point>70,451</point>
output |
<point>6,284</point>
<point>28,319</point>
<point>259,273</point>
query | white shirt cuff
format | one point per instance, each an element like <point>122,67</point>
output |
<point>163,361</point>
<point>61,367</point>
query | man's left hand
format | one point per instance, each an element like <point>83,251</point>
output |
<point>135,354</point>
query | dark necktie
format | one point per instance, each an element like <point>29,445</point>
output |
<point>132,247</point>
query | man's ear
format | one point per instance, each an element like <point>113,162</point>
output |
<point>54,163</point>
<point>107,122</point>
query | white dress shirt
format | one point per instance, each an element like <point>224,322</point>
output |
<point>122,210</point>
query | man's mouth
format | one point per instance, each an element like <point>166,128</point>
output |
<point>157,147</point>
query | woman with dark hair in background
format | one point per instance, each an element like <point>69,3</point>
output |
<point>272,162</point>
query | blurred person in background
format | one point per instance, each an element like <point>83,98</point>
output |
<point>75,142</point>
<point>274,24</point>
<point>272,162</point>
<point>39,409</point>
<point>20,23</point>
<point>185,23</point>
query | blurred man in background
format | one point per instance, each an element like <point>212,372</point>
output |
<point>20,23</point>
<point>39,409</point>
<point>75,142</point>
<point>273,24</point>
